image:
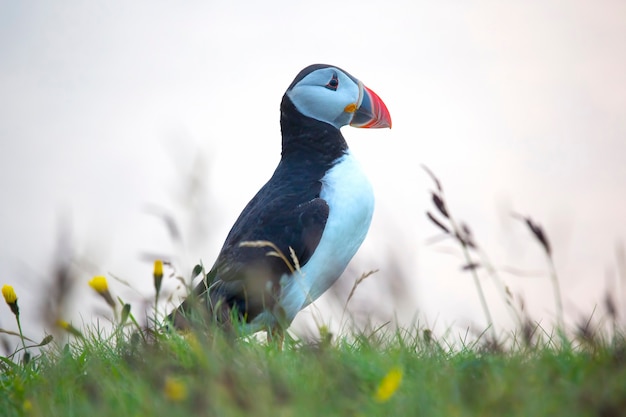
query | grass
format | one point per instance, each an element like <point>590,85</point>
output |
<point>133,369</point>
<point>215,375</point>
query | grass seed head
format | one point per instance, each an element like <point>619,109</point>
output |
<point>586,332</point>
<point>537,231</point>
<point>437,223</point>
<point>528,331</point>
<point>427,335</point>
<point>440,204</point>
<point>433,177</point>
<point>610,305</point>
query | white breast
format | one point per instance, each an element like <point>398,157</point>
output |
<point>351,204</point>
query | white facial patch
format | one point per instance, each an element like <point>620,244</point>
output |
<point>314,99</point>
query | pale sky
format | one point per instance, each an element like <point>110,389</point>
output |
<point>107,109</point>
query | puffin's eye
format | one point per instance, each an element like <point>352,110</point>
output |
<point>333,83</point>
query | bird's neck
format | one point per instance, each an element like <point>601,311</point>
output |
<point>303,135</point>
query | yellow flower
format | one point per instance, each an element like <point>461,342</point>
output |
<point>99,284</point>
<point>388,385</point>
<point>194,344</point>
<point>11,298</point>
<point>9,294</point>
<point>27,406</point>
<point>158,268</point>
<point>174,389</point>
<point>69,328</point>
<point>158,275</point>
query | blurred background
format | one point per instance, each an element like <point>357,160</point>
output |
<point>136,130</point>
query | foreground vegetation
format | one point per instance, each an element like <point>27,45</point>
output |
<point>382,373</point>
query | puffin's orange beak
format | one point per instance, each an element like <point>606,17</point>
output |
<point>371,112</point>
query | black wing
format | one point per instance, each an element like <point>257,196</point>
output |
<point>289,213</point>
<point>245,277</point>
<point>248,277</point>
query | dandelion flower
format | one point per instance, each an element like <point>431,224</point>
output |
<point>11,298</point>
<point>158,275</point>
<point>27,406</point>
<point>9,294</point>
<point>174,389</point>
<point>69,328</point>
<point>388,385</point>
<point>100,285</point>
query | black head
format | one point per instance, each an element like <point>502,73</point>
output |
<point>331,95</point>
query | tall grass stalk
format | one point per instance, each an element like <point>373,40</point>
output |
<point>558,299</point>
<point>463,235</point>
<point>542,238</point>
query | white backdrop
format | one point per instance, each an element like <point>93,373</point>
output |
<point>110,110</point>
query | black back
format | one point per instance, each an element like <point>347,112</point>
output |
<point>287,211</point>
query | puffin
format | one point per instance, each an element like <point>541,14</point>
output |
<point>297,235</point>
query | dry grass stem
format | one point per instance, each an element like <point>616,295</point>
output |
<point>276,251</point>
<point>463,235</point>
<point>294,258</point>
<point>541,237</point>
<point>362,278</point>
